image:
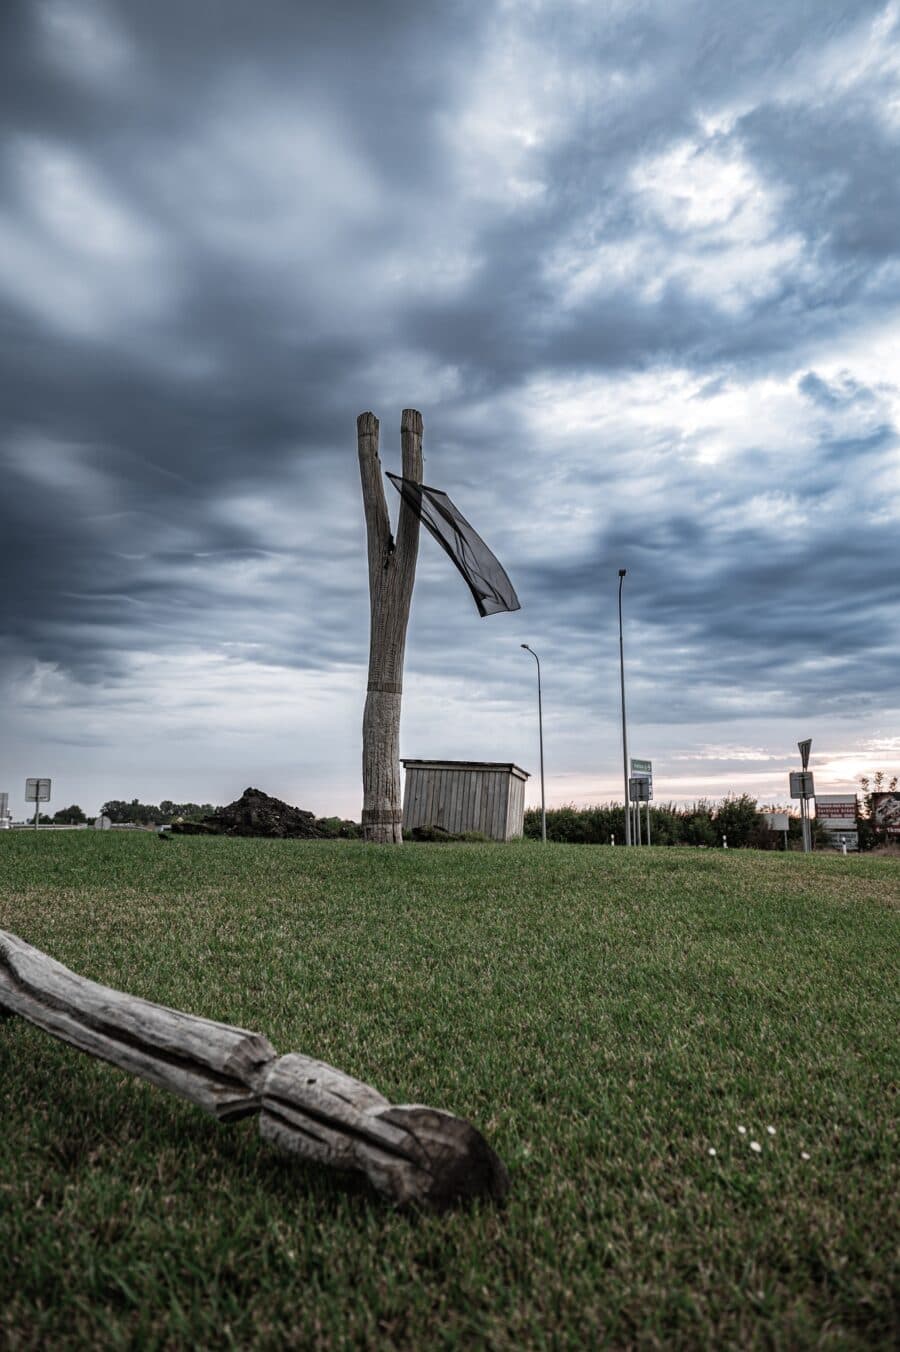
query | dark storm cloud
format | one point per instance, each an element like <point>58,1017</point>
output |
<point>228,229</point>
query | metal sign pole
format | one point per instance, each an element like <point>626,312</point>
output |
<point>648,822</point>
<point>541,741</point>
<point>622,572</point>
<point>802,788</point>
<point>37,791</point>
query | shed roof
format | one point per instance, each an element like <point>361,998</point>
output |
<point>466,765</point>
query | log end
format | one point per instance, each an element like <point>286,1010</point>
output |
<point>411,421</point>
<point>366,425</point>
<point>455,1162</point>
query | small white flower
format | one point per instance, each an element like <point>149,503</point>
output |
<point>742,1130</point>
<point>755,1145</point>
<point>770,1130</point>
<point>712,1150</point>
<point>804,1155</point>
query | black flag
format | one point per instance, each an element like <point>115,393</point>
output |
<point>484,574</point>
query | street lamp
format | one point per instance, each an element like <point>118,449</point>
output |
<point>622,572</point>
<point>541,737</point>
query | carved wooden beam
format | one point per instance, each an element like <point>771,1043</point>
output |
<point>410,1153</point>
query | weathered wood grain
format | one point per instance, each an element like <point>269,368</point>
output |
<point>411,1154</point>
<point>212,1064</point>
<point>392,573</point>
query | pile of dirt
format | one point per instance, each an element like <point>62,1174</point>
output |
<point>255,814</point>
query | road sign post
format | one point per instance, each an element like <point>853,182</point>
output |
<point>641,791</point>
<point>802,787</point>
<point>622,573</point>
<point>37,791</point>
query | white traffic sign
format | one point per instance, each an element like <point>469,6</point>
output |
<point>37,790</point>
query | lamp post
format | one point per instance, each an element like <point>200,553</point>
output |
<point>541,739</point>
<point>622,572</point>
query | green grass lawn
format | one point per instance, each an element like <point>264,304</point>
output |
<point>606,1017</point>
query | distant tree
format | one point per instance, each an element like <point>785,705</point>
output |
<point>146,814</point>
<point>698,826</point>
<point>141,814</point>
<point>665,825</point>
<point>168,810</point>
<point>869,834</point>
<point>739,819</point>
<point>875,783</point>
<point>69,816</point>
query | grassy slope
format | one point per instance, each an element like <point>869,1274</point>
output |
<point>605,1016</point>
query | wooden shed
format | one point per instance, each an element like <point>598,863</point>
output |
<point>485,796</point>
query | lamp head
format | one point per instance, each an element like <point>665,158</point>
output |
<point>622,572</point>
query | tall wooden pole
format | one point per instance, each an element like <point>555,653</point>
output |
<point>392,572</point>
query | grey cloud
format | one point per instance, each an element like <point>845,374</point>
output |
<point>306,243</point>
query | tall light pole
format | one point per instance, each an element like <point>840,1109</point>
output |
<point>622,572</point>
<point>541,738</point>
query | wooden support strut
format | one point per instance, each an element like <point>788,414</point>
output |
<point>392,573</point>
<point>410,1153</point>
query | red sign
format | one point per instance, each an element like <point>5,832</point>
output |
<point>839,808</point>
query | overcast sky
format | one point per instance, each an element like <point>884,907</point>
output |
<point>637,263</point>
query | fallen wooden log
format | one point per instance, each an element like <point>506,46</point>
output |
<point>410,1153</point>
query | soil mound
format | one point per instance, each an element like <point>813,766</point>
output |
<point>256,814</point>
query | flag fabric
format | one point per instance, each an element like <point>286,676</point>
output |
<point>483,572</point>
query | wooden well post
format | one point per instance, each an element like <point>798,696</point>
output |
<point>392,573</point>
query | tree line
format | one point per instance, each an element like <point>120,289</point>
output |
<point>134,812</point>
<point>738,819</point>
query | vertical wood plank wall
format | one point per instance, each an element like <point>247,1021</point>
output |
<point>515,820</point>
<point>465,797</point>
